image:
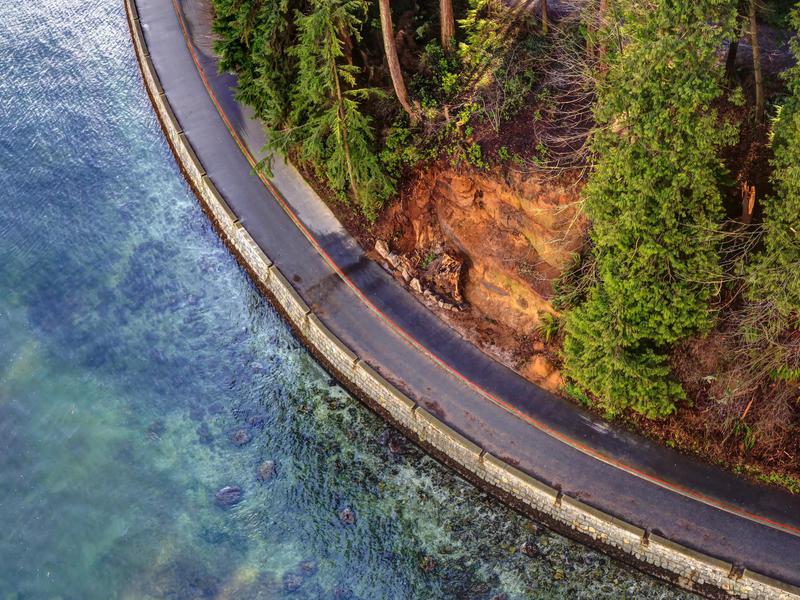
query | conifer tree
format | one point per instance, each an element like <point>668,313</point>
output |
<point>253,38</point>
<point>654,204</point>
<point>774,277</point>
<point>447,23</point>
<point>326,124</point>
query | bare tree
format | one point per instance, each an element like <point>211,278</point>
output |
<point>390,47</point>
<point>448,23</point>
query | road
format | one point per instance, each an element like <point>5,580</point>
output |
<point>624,475</point>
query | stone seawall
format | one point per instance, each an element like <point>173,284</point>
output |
<point>648,551</point>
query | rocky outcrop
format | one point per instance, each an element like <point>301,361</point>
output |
<point>515,235</point>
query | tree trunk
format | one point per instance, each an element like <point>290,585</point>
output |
<point>394,64</point>
<point>759,76</point>
<point>545,18</point>
<point>347,45</point>
<point>448,23</point>
<point>595,25</point>
<point>730,62</point>
<point>343,132</point>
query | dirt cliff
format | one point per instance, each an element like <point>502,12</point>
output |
<point>515,234</point>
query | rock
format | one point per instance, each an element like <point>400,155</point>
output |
<point>308,568</point>
<point>266,470</point>
<point>341,592</point>
<point>428,564</point>
<point>529,549</point>
<point>541,370</point>
<point>347,516</point>
<point>444,273</point>
<point>257,421</point>
<point>241,437</point>
<point>229,496</point>
<point>462,191</point>
<point>292,582</point>
<point>204,433</point>
<point>397,445</point>
<point>156,430</point>
<point>415,285</point>
<point>382,248</point>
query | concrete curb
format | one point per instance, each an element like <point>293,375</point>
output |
<point>650,552</point>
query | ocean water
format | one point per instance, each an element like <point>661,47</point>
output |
<point>133,350</point>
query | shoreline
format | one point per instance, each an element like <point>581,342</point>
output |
<point>649,551</point>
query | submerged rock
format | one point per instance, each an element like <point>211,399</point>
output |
<point>266,470</point>
<point>528,548</point>
<point>342,592</point>
<point>347,516</point>
<point>397,444</point>
<point>241,437</point>
<point>156,429</point>
<point>308,568</point>
<point>292,582</point>
<point>204,433</point>
<point>428,564</point>
<point>229,496</point>
<point>257,421</point>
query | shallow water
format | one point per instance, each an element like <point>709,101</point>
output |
<point>132,347</point>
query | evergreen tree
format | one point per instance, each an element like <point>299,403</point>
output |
<point>253,37</point>
<point>654,203</point>
<point>326,124</point>
<point>774,277</point>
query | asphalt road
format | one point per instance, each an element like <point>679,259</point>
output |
<point>691,503</point>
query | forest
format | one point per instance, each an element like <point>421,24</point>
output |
<point>672,127</point>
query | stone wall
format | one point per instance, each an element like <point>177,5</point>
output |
<point>650,552</point>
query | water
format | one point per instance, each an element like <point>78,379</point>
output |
<point>132,347</point>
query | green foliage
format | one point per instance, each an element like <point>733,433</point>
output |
<point>400,149</point>
<point>549,327</point>
<point>292,71</point>
<point>654,204</point>
<point>253,38</point>
<point>774,276</point>
<point>439,79</point>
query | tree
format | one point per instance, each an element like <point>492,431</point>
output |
<point>757,71</point>
<point>326,124</point>
<point>253,38</point>
<point>773,281</point>
<point>654,203</point>
<point>390,48</point>
<point>545,18</point>
<point>448,23</point>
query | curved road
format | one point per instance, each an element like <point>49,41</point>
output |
<point>693,504</point>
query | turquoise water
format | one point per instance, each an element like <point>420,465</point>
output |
<point>132,349</point>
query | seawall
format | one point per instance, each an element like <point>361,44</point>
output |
<point>647,550</point>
